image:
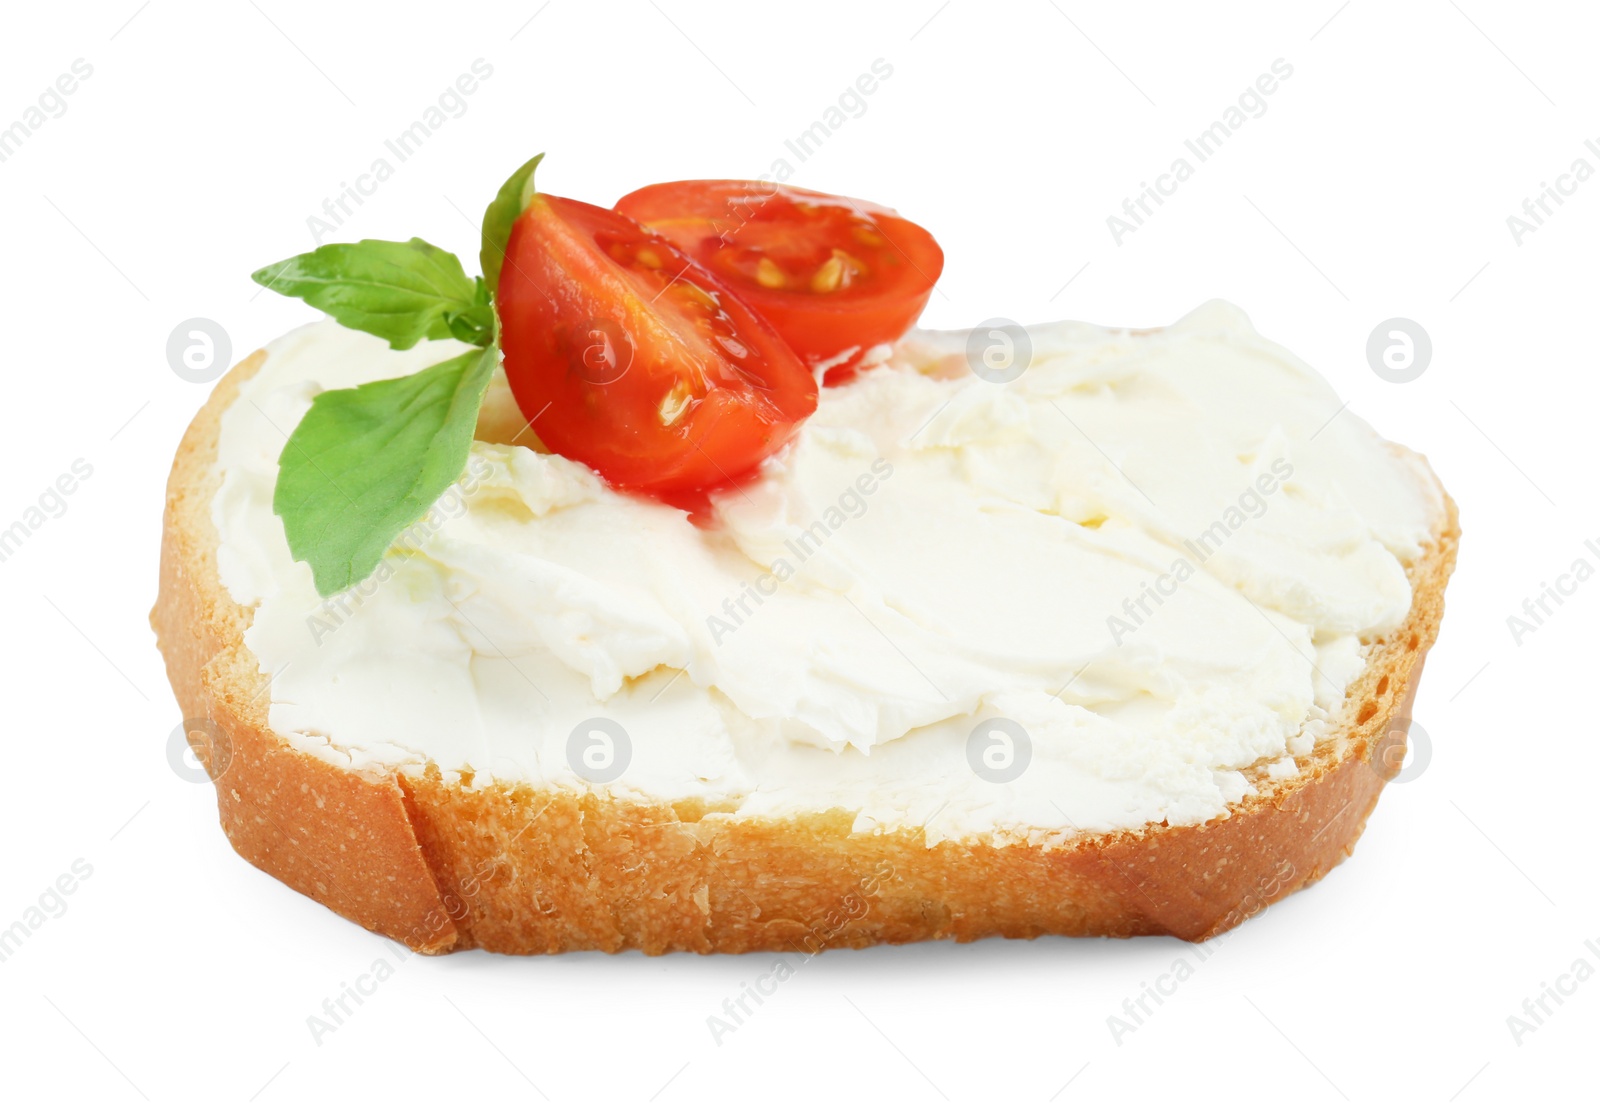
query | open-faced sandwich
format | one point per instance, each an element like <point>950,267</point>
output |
<point>662,589</point>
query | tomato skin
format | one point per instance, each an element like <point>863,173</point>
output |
<point>626,356</point>
<point>779,247</point>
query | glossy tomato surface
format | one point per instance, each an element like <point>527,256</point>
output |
<point>831,274</point>
<point>627,356</point>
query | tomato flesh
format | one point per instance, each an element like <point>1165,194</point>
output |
<point>626,355</point>
<point>831,274</point>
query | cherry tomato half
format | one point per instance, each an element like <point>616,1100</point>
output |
<point>830,274</point>
<point>629,357</point>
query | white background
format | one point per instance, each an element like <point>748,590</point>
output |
<point>1377,184</point>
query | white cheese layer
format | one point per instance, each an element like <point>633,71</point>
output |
<point>1080,600</point>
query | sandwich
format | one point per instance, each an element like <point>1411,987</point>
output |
<point>662,588</point>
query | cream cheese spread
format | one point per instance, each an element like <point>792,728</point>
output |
<point>1080,599</point>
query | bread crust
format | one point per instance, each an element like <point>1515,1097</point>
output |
<point>441,866</point>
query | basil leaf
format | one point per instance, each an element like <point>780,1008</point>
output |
<point>402,291</point>
<point>509,202</point>
<point>365,462</point>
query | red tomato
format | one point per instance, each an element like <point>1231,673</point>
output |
<point>629,357</point>
<point>830,274</point>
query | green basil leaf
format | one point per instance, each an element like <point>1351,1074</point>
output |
<point>509,202</point>
<point>366,462</point>
<point>402,291</point>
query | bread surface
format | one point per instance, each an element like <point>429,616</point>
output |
<point>440,865</point>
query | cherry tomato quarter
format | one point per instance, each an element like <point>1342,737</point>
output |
<point>834,276</point>
<point>628,356</point>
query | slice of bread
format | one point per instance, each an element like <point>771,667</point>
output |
<point>441,865</point>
